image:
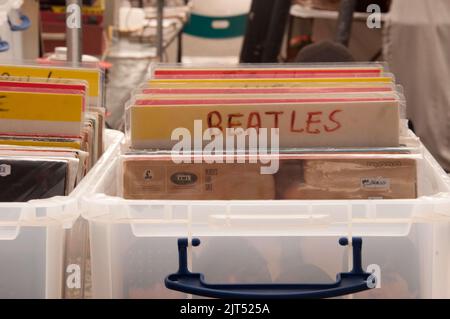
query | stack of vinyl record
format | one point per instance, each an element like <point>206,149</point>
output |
<point>325,131</point>
<point>51,129</point>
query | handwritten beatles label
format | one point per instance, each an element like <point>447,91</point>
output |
<point>354,124</point>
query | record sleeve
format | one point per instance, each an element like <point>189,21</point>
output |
<point>313,176</point>
<point>23,179</point>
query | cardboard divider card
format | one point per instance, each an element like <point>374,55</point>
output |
<point>55,88</point>
<point>93,77</point>
<point>142,100</point>
<point>39,85</point>
<point>41,141</point>
<point>343,124</point>
<point>298,74</point>
<point>41,113</point>
<point>257,91</point>
<point>160,71</point>
<point>271,83</point>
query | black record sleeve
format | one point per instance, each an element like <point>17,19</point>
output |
<point>22,180</point>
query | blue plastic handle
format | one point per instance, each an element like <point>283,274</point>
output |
<point>356,280</point>
<point>4,46</point>
<point>25,24</point>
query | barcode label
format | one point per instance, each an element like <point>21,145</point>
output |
<point>375,183</point>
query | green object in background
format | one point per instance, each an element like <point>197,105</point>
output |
<point>216,27</point>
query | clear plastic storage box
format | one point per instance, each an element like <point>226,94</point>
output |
<point>136,244</point>
<point>33,238</point>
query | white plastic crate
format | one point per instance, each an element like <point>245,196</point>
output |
<point>134,243</point>
<point>32,236</point>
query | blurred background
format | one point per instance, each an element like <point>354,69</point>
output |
<point>411,36</point>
